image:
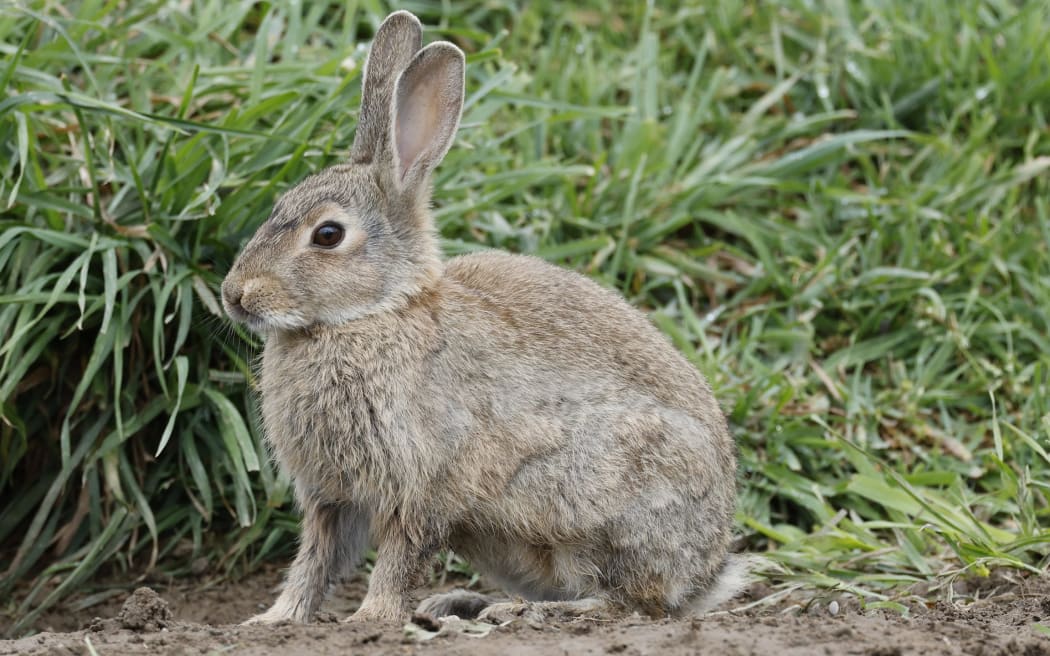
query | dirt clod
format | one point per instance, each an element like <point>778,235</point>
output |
<point>144,610</point>
<point>1044,603</point>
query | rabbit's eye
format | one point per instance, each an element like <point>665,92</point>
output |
<point>328,235</point>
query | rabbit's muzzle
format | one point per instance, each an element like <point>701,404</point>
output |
<point>261,302</point>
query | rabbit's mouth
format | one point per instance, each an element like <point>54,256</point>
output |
<point>253,321</point>
<point>262,323</point>
<point>240,314</point>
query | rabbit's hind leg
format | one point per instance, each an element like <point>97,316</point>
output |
<point>666,555</point>
<point>541,611</point>
<point>465,604</point>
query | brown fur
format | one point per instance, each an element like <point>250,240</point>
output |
<point>514,411</point>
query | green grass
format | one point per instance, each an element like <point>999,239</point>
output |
<point>840,211</point>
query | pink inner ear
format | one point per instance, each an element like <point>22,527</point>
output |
<point>417,122</point>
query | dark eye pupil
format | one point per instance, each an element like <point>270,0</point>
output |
<point>328,235</point>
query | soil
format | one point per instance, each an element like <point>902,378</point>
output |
<point>1000,617</point>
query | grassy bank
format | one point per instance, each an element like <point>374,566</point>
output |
<point>840,213</point>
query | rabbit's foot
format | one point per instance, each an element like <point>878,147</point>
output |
<point>272,616</point>
<point>536,612</point>
<point>379,610</point>
<point>464,604</point>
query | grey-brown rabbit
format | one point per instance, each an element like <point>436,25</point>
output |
<point>511,410</point>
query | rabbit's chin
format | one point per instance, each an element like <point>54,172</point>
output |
<point>267,324</point>
<point>290,321</point>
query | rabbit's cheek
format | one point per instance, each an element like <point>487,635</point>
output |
<point>354,291</point>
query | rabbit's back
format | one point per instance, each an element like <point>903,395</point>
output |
<point>561,315</point>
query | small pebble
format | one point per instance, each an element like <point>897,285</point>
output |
<point>833,607</point>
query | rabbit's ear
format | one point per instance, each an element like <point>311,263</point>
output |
<point>427,105</point>
<point>397,40</point>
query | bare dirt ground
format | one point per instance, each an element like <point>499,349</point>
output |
<point>1001,617</point>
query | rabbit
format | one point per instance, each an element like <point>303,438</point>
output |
<point>513,411</point>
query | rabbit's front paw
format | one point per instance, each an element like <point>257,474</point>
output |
<point>271,616</point>
<point>373,611</point>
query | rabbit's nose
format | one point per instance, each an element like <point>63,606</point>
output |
<point>231,296</point>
